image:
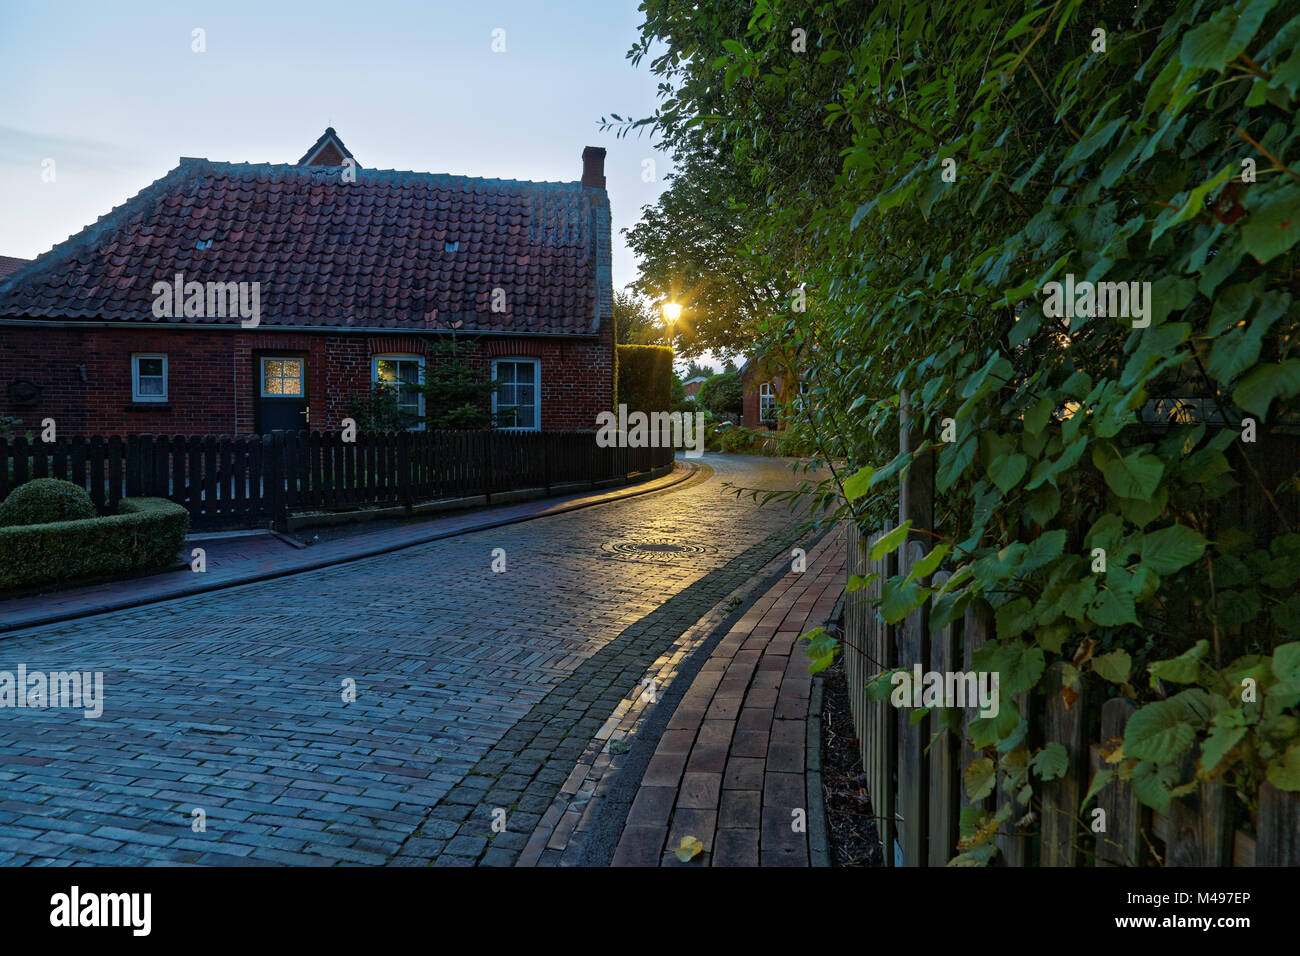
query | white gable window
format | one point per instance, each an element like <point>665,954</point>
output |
<point>766,402</point>
<point>517,401</point>
<point>402,374</point>
<point>148,378</point>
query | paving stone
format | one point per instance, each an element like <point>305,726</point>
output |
<point>229,700</point>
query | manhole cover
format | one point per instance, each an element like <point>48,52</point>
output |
<point>653,550</point>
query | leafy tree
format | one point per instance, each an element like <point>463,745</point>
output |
<point>457,394</point>
<point>691,249</point>
<point>722,395</point>
<point>377,411</point>
<point>923,173</point>
<point>695,370</point>
<point>636,321</point>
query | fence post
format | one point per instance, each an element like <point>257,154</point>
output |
<point>1060,798</point>
<point>1278,842</point>
<point>404,470</point>
<point>1118,843</point>
<point>487,465</point>
<point>279,513</point>
<point>915,504</point>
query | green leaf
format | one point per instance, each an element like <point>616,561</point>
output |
<point>821,649</point>
<point>1218,744</point>
<point>1267,382</point>
<point>1284,771</point>
<point>1159,731</point>
<point>857,484</point>
<point>857,582</point>
<point>1112,608</point>
<point>927,565</point>
<point>1171,549</point>
<point>1051,762</point>
<point>1006,470</point>
<point>1151,784</point>
<point>890,541</point>
<point>900,600</point>
<point>1099,781</point>
<point>980,778</point>
<point>1135,476</point>
<point>1183,669</point>
<point>1273,229</point>
<point>1286,663</point>
<point>1114,667</point>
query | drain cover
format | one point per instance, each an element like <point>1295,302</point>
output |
<point>653,550</point>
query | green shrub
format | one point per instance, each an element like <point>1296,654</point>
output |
<point>723,396</point>
<point>145,535</point>
<point>43,500</point>
<point>795,444</point>
<point>645,374</point>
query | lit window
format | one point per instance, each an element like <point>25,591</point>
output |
<point>149,378</point>
<point>282,378</point>
<point>402,374</point>
<point>517,401</point>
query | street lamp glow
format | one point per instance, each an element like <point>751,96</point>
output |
<point>672,311</point>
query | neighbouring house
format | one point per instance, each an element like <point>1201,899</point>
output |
<point>10,264</point>
<point>693,385</point>
<point>237,298</point>
<point>762,392</point>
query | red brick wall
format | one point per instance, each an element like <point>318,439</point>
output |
<point>210,380</point>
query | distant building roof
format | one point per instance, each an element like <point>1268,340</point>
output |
<point>11,264</point>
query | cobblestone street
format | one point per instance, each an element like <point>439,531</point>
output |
<point>474,690</point>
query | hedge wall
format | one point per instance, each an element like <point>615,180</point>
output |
<point>147,534</point>
<point>645,374</point>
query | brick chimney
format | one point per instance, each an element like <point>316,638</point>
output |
<point>593,167</point>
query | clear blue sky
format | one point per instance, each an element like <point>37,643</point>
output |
<point>114,94</point>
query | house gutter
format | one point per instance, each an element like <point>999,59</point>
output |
<point>333,329</point>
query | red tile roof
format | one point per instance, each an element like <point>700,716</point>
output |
<point>11,264</point>
<point>392,250</point>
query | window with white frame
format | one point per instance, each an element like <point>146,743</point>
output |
<point>517,401</point>
<point>148,378</point>
<point>766,402</point>
<point>402,374</point>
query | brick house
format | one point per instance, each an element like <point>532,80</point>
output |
<point>237,298</point>
<point>760,395</point>
<point>692,386</point>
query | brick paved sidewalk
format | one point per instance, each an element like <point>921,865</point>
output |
<point>730,770</point>
<point>245,559</point>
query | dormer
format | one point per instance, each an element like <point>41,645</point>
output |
<point>327,151</point>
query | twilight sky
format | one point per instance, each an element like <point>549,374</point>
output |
<point>115,94</point>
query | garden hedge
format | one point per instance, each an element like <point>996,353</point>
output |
<point>45,500</point>
<point>645,374</point>
<point>147,534</point>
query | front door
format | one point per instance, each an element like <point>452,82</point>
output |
<point>281,392</point>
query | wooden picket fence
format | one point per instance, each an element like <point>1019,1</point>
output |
<point>914,778</point>
<point>915,773</point>
<point>254,480</point>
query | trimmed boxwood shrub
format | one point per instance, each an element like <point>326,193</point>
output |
<point>645,375</point>
<point>43,500</point>
<point>147,534</point>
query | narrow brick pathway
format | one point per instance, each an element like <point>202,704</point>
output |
<point>730,770</point>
